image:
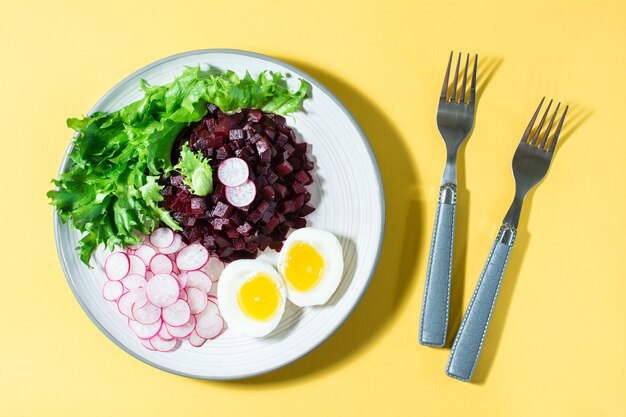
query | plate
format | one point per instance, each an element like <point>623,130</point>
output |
<point>347,192</point>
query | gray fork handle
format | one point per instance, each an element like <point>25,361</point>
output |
<point>471,335</point>
<point>436,301</point>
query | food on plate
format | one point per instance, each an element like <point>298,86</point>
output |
<point>166,298</point>
<point>311,264</point>
<point>109,190</point>
<point>260,179</point>
<point>251,297</point>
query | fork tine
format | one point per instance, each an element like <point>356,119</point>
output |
<point>533,141</point>
<point>472,95</point>
<point>544,140</point>
<point>444,89</point>
<point>456,78</point>
<point>462,100</point>
<point>557,132</point>
<point>532,122</point>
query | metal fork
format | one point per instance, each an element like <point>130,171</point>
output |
<point>455,120</point>
<point>530,165</point>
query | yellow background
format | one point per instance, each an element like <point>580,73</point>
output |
<point>557,342</point>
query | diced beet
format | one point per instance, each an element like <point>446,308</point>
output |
<point>302,147</point>
<point>245,229</point>
<point>306,210</point>
<point>235,134</point>
<point>297,188</point>
<point>220,224</point>
<point>222,210</point>
<point>269,212</point>
<point>299,223</point>
<point>208,241</point>
<point>167,190</point>
<point>255,216</point>
<point>223,152</point>
<point>268,192</point>
<point>271,177</point>
<point>221,242</point>
<point>197,206</point>
<point>283,169</point>
<point>189,221</point>
<point>307,197</point>
<point>281,190</point>
<point>176,180</point>
<point>254,116</point>
<point>212,108</point>
<point>303,177</point>
<point>276,245</point>
<point>288,151</point>
<point>269,132</point>
<point>278,119</point>
<point>272,223</point>
<point>232,233</point>
<point>238,244</point>
<point>295,163</point>
<point>281,140</point>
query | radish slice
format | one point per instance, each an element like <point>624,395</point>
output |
<point>162,290</point>
<point>182,279</point>
<point>164,334</point>
<point>112,290</point>
<point>145,331</point>
<point>177,314</point>
<point>134,281</point>
<point>183,294</point>
<point>161,264</point>
<point>197,300</point>
<point>184,330</point>
<point>127,301</point>
<point>210,326</point>
<point>147,344</point>
<point>149,275</point>
<point>213,292</point>
<point>192,257</point>
<point>162,237</point>
<point>210,309</point>
<point>136,266</point>
<point>200,280</point>
<point>146,253</point>
<point>116,266</point>
<point>163,345</point>
<point>242,195</point>
<point>195,340</point>
<point>174,247</point>
<point>233,172</point>
<point>213,268</point>
<point>147,314</point>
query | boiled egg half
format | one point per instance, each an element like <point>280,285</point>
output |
<point>251,297</point>
<point>311,264</point>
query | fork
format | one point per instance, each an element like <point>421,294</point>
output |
<point>455,120</point>
<point>530,165</point>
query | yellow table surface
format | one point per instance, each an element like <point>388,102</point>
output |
<point>556,346</point>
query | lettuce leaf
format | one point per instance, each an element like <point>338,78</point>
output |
<point>110,190</point>
<point>196,171</point>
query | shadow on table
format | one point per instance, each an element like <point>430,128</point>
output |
<point>400,254</point>
<point>577,115</point>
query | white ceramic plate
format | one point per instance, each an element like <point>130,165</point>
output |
<point>349,198</point>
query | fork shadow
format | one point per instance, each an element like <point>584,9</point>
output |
<point>488,355</point>
<point>400,253</point>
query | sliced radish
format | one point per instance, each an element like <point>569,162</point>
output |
<point>145,331</point>
<point>127,301</point>
<point>197,300</point>
<point>213,268</point>
<point>164,334</point>
<point>242,195</point>
<point>210,309</point>
<point>162,237</point>
<point>192,257</point>
<point>184,330</point>
<point>147,344</point>
<point>195,340</point>
<point>146,314</point>
<point>182,279</point>
<point>161,264</point>
<point>183,294</point>
<point>149,275</point>
<point>116,266</point>
<point>198,279</point>
<point>112,290</point>
<point>162,290</point>
<point>213,292</point>
<point>137,266</point>
<point>233,172</point>
<point>146,253</point>
<point>163,345</point>
<point>177,314</point>
<point>134,281</point>
<point>210,326</point>
<point>174,247</point>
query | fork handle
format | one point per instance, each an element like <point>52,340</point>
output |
<point>436,301</point>
<point>471,335</point>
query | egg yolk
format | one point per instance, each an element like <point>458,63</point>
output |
<point>259,297</point>
<point>304,266</point>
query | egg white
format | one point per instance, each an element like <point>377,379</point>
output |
<point>232,278</point>
<point>329,248</point>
